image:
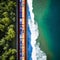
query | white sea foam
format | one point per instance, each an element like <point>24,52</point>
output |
<point>37,53</point>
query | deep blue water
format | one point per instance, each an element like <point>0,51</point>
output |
<point>29,47</point>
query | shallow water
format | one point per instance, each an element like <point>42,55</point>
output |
<point>47,16</point>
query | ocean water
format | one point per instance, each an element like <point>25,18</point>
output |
<point>34,52</point>
<point>47,16</point>
<point>29,47</point>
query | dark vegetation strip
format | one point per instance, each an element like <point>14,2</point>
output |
<point>8,30</point>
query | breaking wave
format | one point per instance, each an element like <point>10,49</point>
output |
<point>37,53</point>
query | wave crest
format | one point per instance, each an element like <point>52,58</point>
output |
<point>37,53</point>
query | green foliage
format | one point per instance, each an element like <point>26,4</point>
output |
<point>12,58</point>
<point>7,29</point>
<point>11,33</point>
<point>4,55</point>
<point>5,14</point>
<point>5,21</point>
<point>11,26</point>
<point>11,51</point>
<point>6,47</point>
<point>14,51</point>
<point>2,42</point>
<point>1,27</point>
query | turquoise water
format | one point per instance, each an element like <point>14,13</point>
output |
<point>47,15</point>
